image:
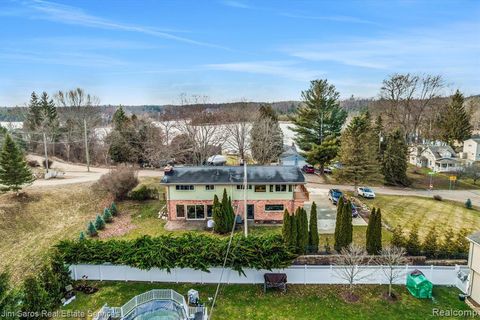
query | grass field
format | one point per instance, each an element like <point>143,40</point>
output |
<point>301,302</point>
<point>426,212</point>
<point>31,224</point>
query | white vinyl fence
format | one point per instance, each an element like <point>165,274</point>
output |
<point>308,274</point>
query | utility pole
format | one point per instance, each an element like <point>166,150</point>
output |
<point>45,147</point>
<point>245,185</point>
<point>86,144</point>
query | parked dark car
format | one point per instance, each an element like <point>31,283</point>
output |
<point>354,211</point>
<point>308,168</point>
<point>334,195</point>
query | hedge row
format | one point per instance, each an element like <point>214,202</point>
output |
<point>196,251</point>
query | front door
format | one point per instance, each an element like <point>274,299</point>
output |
<point>250,211</point>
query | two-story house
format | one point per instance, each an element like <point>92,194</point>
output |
<point>436,158</point>
<point>471,149</point>
<point>270,190</point>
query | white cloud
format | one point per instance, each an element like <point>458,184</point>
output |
<point>285,69</point>
<point>76,16</point>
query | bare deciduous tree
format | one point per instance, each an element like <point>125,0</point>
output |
<point>77,107</point>
<point>238,126</point>
<point>348,263</point>
<point>406,98</point>
<point>390,259</point>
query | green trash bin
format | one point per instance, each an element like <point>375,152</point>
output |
<point>418,285</point>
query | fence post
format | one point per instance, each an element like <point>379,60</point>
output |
<point>100,272</point>
<point>305,274</point>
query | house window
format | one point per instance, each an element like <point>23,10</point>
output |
<point>180,211</point>
<point>184,187</point>
<point>271,188</point>
<point>240,187</point>
<point>290,188</point>
<point>274,207</point>
<point>209,211</point>
<point>281,188</point>
<point>196,211</point>
<point>209,187</point>
<point>261,188</point>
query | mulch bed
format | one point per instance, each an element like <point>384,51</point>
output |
<point>121,225</point>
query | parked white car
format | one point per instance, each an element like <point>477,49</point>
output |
<point>366,192</point>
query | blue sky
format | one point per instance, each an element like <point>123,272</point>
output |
<point>150,52</point>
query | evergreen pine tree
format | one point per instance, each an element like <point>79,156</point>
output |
<point>119,118</point>
<point>81,237</point>
<point>320,116</point>
<point>302,230</point>
<point>398,237</point>
<point>358,153</point>
<point>33,118</point>
<point>99,222</point>
<point>313,240</point>
<point>413,242</point>
<point>446,246</point>
<point>35,298</point>
<point>378,232</point>
<point>347,224</point>
<point>395,157</point>
<point>287,228</point>
<point>294,230</point>
<point>338,226</point>
<point>107,215</point>
<point>454,122</point>
<point>113,209</point>
<point>14,171</point>
<point>91,229</point>
<point>430,243</point>
<point>218,216</point>
<point>370,231</point>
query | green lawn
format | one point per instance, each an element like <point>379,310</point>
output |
<point>300,302</point>
<point>405,211</point>
<point>421,180</point>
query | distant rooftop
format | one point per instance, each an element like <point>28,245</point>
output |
<point>474,237</point>
<point>234,175</point>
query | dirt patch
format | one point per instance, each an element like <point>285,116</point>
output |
<point>121,225</point>
<point>350,297</point>
<point>185,225</point>
<point>389,298</point>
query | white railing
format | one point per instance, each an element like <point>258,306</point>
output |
<point>153,295</point>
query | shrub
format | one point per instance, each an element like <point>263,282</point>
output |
<point>143,193</point>
<point>44,163</point>
<point>91,229</point>
<point>430,243</point>
<point>413,243</point>
<point>99,223</point>
<point>9,297</point>
<point>438,197</point>
<point>81,237</point>
<point>107,215</point>
<point>33,163</point>
<point>35,297</point>
<point>118,182</point>
<point>113,209</point>
<point>468,204</point>
<point>398,238</point>
<point>190,250</point>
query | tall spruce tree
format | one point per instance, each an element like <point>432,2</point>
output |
<point>374,232</point>
<point>338,225</point>
<point>266,136</point>
<point>359,153</point>
<point>320,117</point>
<point>286,227</point>
<point>33,117</point>
<point>395,157</point>
<point>347,225</point>
<point>14,171</point>
<point>313,240</point>
<point>302,230</point>
<point>454,122</point>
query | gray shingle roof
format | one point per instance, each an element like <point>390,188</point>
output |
<point>234,175</point>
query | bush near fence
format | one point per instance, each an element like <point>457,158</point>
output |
<point>190,250</point>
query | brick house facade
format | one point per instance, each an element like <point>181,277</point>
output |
<point>271,190</point>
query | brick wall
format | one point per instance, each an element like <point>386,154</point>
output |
<point>259,208</point>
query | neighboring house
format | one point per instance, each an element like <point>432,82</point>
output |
<point>436,158</point>
<point>291,157</point>
<point>473,287</point>
<point>471,149</point>
<point>271,190</point>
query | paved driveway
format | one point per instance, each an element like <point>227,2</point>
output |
<point>326,211</point>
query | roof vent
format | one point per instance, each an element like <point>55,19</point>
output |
<point>168,169</point>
